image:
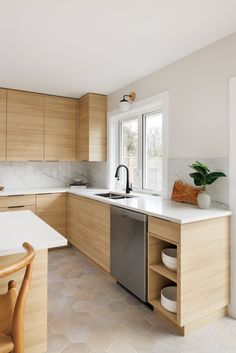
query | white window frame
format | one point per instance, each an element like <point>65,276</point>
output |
<point>139,108</point>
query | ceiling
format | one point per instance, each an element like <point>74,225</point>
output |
<point>70,47</point>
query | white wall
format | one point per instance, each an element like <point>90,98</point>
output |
<point>198,87</point>
<point>232,199</point>
<point>199,99</point>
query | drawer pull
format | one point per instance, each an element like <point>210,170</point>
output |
<point>16,206</point>
<point>16,195</point>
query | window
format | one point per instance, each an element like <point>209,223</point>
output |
<point>140,149</point>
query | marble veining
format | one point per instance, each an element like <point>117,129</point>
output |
<point>40,174</point>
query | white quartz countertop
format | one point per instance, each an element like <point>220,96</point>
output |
<point>151,205</point>
<point>24,226</point>
<point>157,206</point>
<point>29,191</point>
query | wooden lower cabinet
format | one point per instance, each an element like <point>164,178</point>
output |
<point>17,203</point>
<point>89,228</point>
<point>203,270</point>
<point>52,209</point>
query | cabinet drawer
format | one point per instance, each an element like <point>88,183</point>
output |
<point>17,208</point>
<point>21,200</point>
<point>165,229</point>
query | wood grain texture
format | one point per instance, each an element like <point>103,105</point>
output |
<point>89,229</point>
<point>72,212</point>
<point>165,229</point>
<point>205,268</point>
<point>21,200</point>
<point>3,123</point>
<point>12,303</point>
<point>92,127</point>
<point>25,126</point>
<point>35,330</point>
<point>60,129</point>
<point>183,192</point>
<point>18,208</point>
<point>52,209</point>
<point>83,128</point>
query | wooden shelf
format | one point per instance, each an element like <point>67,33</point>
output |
<point>164,271</point>
<point>167,314</point>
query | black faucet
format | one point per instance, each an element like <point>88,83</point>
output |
<point>128,186</point>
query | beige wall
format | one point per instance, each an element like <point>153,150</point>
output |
<point>198,86</point>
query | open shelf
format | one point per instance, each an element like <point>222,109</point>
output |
<point>167,314</point>
<point>164,271</point>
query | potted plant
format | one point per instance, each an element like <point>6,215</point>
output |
<point>203,177</point>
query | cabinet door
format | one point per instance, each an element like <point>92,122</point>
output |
<point>94,231</point>
<point>25,123</point>
<point>92,128</point>
<point>52,209</point>
<point>98,127</point>
<point>60,129</point>
<point>89,228</point>
<point>72,219</point>
<point>3,123</point>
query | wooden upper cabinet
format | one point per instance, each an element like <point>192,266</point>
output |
<point>25,124</point>
<point>92,127</point>
<point>3,123</point>
<point>60,129</point>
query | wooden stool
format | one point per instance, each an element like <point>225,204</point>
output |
<point>12,304</point>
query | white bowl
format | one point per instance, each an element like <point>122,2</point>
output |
<point>169,258</point>
<point>169,298</point>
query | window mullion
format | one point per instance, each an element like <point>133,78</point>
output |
<point>140,152</point>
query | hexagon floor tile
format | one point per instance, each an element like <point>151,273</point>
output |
<point>89,313</point>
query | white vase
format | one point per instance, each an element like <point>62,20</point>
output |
<point>204,200</point>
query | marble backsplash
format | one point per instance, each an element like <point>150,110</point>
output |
<point>59,174</point>
<point>39,174</point>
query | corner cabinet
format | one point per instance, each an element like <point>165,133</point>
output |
<point>3,123</point>
<point>92,128</point>
<point>52,209</point>
<point>25,126</point>
<point>60,129</point>
<point>203,270</point>
<point>89,228</point>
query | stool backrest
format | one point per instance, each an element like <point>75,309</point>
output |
<point>13,302</point>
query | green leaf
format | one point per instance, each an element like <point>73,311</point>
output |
<point>201,168</point>
<point>214,176</point>
<point>198,178</point>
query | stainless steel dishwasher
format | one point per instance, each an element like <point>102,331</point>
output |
<point>128,250</point>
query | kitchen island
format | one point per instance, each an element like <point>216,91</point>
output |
<point>17,228</point>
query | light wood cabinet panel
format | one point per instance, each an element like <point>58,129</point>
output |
<point>72,214</point>
<point>17,200</point>
<point>3,123</point>
<point>92,127</point>
<point>25,126</point>
<point>203,270</point>
<point>52,209</point>
<point>89,228</point>
<point>60,128</point>
<point>18,208</point>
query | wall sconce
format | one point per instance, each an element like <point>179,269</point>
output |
<point>125,101</point>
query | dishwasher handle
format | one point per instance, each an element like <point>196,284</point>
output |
<point>128,214</point>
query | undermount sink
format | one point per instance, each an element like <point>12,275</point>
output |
<point>114,196</point>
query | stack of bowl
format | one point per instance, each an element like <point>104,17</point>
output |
<point>169,258</point>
